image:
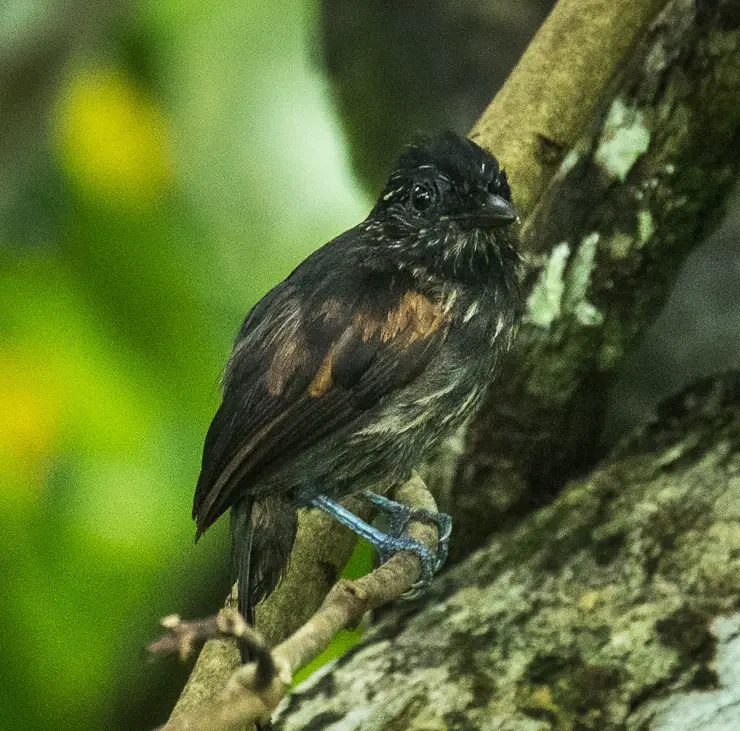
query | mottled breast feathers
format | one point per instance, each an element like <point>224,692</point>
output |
<point>294,379</point>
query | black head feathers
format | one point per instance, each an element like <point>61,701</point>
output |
<point>458,159</point>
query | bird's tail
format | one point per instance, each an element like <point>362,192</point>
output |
<point>262,535</point>
<point>241,559</point>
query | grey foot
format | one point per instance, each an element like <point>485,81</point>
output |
<point>386,544</point>
<point>401,515</point>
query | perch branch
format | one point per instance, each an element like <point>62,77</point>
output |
<point>615,607</point>
<point>321,551</point>
<point>594,40</point>
<point>254,690</point>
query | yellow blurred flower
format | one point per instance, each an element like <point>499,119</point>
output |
<point>112,138</point>
<point>29,423</point>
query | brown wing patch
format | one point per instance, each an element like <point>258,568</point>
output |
<point>322,381</point>
<point>290,356</point>
<point>416,316</point>
<point>312,379</point>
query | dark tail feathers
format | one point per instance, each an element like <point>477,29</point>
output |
<point>262,535</point>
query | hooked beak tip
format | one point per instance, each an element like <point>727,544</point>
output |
<point>499,211</point>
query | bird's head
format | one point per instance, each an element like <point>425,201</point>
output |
<point>445,209</point>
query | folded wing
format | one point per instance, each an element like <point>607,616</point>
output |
<point>294,379</point>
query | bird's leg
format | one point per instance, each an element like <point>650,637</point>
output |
<point>401,515</point>
<point>386,545</point>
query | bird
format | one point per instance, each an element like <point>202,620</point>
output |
<point>346,375</point>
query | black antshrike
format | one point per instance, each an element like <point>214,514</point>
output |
<point>346,375</point>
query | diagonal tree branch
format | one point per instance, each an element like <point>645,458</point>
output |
<point>636,192</point>
<point>549,404</point>
<point>253,691</point>
<point>550,96</point>
<point>613,608</point>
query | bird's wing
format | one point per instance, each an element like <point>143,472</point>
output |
<point>293,383</point>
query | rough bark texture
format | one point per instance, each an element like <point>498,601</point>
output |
<point>633,196</point>
<point>616,203</point>
<point>320,553</point>
<point>616,607</point>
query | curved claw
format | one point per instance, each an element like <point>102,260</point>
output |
<point>387,545</point>
<point>401,515</point>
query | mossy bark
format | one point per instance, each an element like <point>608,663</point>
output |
<point>615,206</point>
<point>634,194</point>
<point>615,607</point>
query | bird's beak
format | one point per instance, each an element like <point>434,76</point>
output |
<point>497,211</point>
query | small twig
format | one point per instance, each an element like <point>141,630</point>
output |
<point>185,637</point>
<point>254,690</point>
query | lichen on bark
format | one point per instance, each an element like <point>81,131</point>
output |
<point>634,195</point>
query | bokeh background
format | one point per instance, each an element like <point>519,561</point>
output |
<point>162,164</point>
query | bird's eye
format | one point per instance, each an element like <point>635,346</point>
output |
<point>422,197</point>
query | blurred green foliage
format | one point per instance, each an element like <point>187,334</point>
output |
<point>162,164</point>
<point>196,159</point>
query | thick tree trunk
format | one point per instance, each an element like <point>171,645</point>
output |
<point>592,607</point>
<point>633,196</point>
<point>616,607</point>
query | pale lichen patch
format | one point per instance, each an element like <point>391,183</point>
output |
<point>569,162</point>
<point>545,301</point>
<point>624,139</point>
<point>611,354</point>
<point>645,226</point>
<point>578,280</point>
<point>588,315</point>
<point>707,710</point>
<point>620,244</point>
